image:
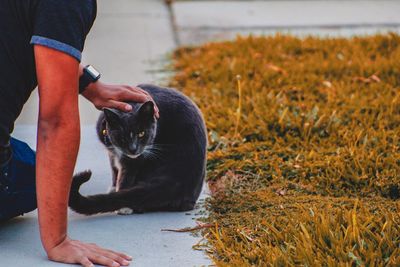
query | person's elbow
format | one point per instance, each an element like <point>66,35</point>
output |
<point>59,120</point>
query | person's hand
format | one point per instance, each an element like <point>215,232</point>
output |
<point>76,252</point>
<point>115,96</point>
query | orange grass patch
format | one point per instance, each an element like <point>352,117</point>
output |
<point>304,156</point>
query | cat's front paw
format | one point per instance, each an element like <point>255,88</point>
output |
<point>125,211</point>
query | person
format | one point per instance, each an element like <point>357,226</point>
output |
<point>41,42</point>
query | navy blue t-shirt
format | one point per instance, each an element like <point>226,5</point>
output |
<point>58,24</point>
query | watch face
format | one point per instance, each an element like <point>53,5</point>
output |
<point>93,72</point>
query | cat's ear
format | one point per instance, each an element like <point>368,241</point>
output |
<point>147,110</point>
<point>112,117</point>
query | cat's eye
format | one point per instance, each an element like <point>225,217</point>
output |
<point>141,134</point>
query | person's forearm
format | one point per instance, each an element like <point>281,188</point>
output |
<point>58,144</point>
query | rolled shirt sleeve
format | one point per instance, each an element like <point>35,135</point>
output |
<point>63,25</point>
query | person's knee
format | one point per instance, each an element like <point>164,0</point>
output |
<point>17,181</point>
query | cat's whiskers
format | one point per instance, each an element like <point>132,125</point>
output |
<point>157,147</point>
<point>151,156</point>
<point>152,153</point>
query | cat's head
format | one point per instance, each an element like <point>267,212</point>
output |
<point>131,132</point>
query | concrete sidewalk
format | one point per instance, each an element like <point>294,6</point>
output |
<point>203,21</point>
<point>129,42</point>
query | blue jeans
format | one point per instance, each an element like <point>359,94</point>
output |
<point>17,182</point>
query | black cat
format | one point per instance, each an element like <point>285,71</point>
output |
<point>157,164</point>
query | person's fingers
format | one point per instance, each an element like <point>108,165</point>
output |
<point>119,105</point>
<point>121,255</point>
<point>156,111</point>
<point>137,89</point>
<point>149,97</point>
<point>133,94</point>
<point>102,260</point>
<point>85,262</point>
<point>146,93</point>
<point>114,256</point>
<point>128,95</point>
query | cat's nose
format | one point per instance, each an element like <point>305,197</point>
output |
<point>132,148</point>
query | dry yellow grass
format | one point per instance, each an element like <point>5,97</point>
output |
<point>305,165</point>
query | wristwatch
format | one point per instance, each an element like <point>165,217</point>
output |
<point>90,75</point>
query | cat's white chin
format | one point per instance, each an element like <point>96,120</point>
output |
<point>133,156</point>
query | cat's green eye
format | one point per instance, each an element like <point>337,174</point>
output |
<point>141,134</point>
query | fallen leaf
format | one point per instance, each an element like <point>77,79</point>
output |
<point>370,79</point>
<point>281,192</point>
<point>327,84</point>
<point>276,68</point>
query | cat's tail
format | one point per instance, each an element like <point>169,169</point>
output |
<point>89,205</point>
<point>155,195</point>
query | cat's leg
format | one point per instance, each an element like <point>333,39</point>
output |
<point>114,173</point>
<point>122,182</point>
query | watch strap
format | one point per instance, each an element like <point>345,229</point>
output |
<point>90,75</point>
<point>84,81</point>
